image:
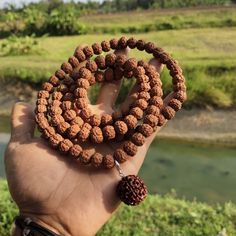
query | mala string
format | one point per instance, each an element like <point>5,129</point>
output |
<point>64,118</point>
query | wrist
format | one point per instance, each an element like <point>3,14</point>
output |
<point>48,222</point>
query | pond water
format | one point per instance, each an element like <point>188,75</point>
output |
<point>206,173</point>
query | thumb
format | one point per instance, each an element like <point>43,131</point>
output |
<point>22,122</point>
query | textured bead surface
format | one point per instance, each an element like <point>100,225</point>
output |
<point>131,190</point>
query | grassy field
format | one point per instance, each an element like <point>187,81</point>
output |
<point>208,57</point>
<point>159,216</point>
<point>151,20</point>
<point>202,40</point>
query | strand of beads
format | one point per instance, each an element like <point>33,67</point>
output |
<point>64,116</point>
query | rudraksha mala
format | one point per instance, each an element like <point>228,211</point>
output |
<point>65,120</point>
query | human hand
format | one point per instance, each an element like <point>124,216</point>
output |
<point>54,190</point>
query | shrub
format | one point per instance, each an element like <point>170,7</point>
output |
<point>14,45</point>
<point>63,21</point>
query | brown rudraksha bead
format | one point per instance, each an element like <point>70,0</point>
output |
<point>130,64</point>
<point>151,120</point>
<point>114,43</point>
<point>131,190</point>
<point>131,121</point>
<point>97,48</point>
<point>96,135</point>
<point>108,161</point>
<point>122,42</point>
<point>99,76</point>
<point>137,112</point>
<point>96,159</point>
<point>106,119</point>
<point>168,112</point>
<point>69,115</point>
<point>130,148</point>
<point>73,130</point>
<point>106,46</point>
<point>75,151</point>
<point>73,61</point>
<point>65,145</point>
<point>81,103</point>
<point>138,139</point>
<point>120,127</point>
<point>145,129</point>
<point>88,51</point>
<point>132,42</point>
<point>60,74</point>
<point>80,93</point>
<point>175,104</point>
<point>55,140</point>
<point>120,155</point>
<point>95,120</point>
<point>92,66</point>
<point>101,62</point>
<point>79,54</point>
<point>110,59</point>
<point>109,132</point>
<point>84,157</point>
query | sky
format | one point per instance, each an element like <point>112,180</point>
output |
<point>19,2</point>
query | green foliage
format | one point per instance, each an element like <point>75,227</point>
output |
<point>14,45</point>
<point>58,18</point>
<point>63,21</point>
<point>8,209</point>
<point>158,215</point>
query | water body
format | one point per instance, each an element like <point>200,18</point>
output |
<point>206,173</point>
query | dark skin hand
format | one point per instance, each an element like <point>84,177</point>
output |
<point>53,189</point>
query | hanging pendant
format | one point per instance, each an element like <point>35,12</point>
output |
<point>130,189</point>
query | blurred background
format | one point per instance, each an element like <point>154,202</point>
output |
<point>195,154</point>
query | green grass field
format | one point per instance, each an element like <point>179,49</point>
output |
<point>151,20</point>
<point>207,54</point>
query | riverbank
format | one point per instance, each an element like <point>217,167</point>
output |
<point>205,126</point>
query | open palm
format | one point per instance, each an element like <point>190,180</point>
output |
<point>53,189</point>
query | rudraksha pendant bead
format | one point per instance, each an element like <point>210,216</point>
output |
<point>131,190</point>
